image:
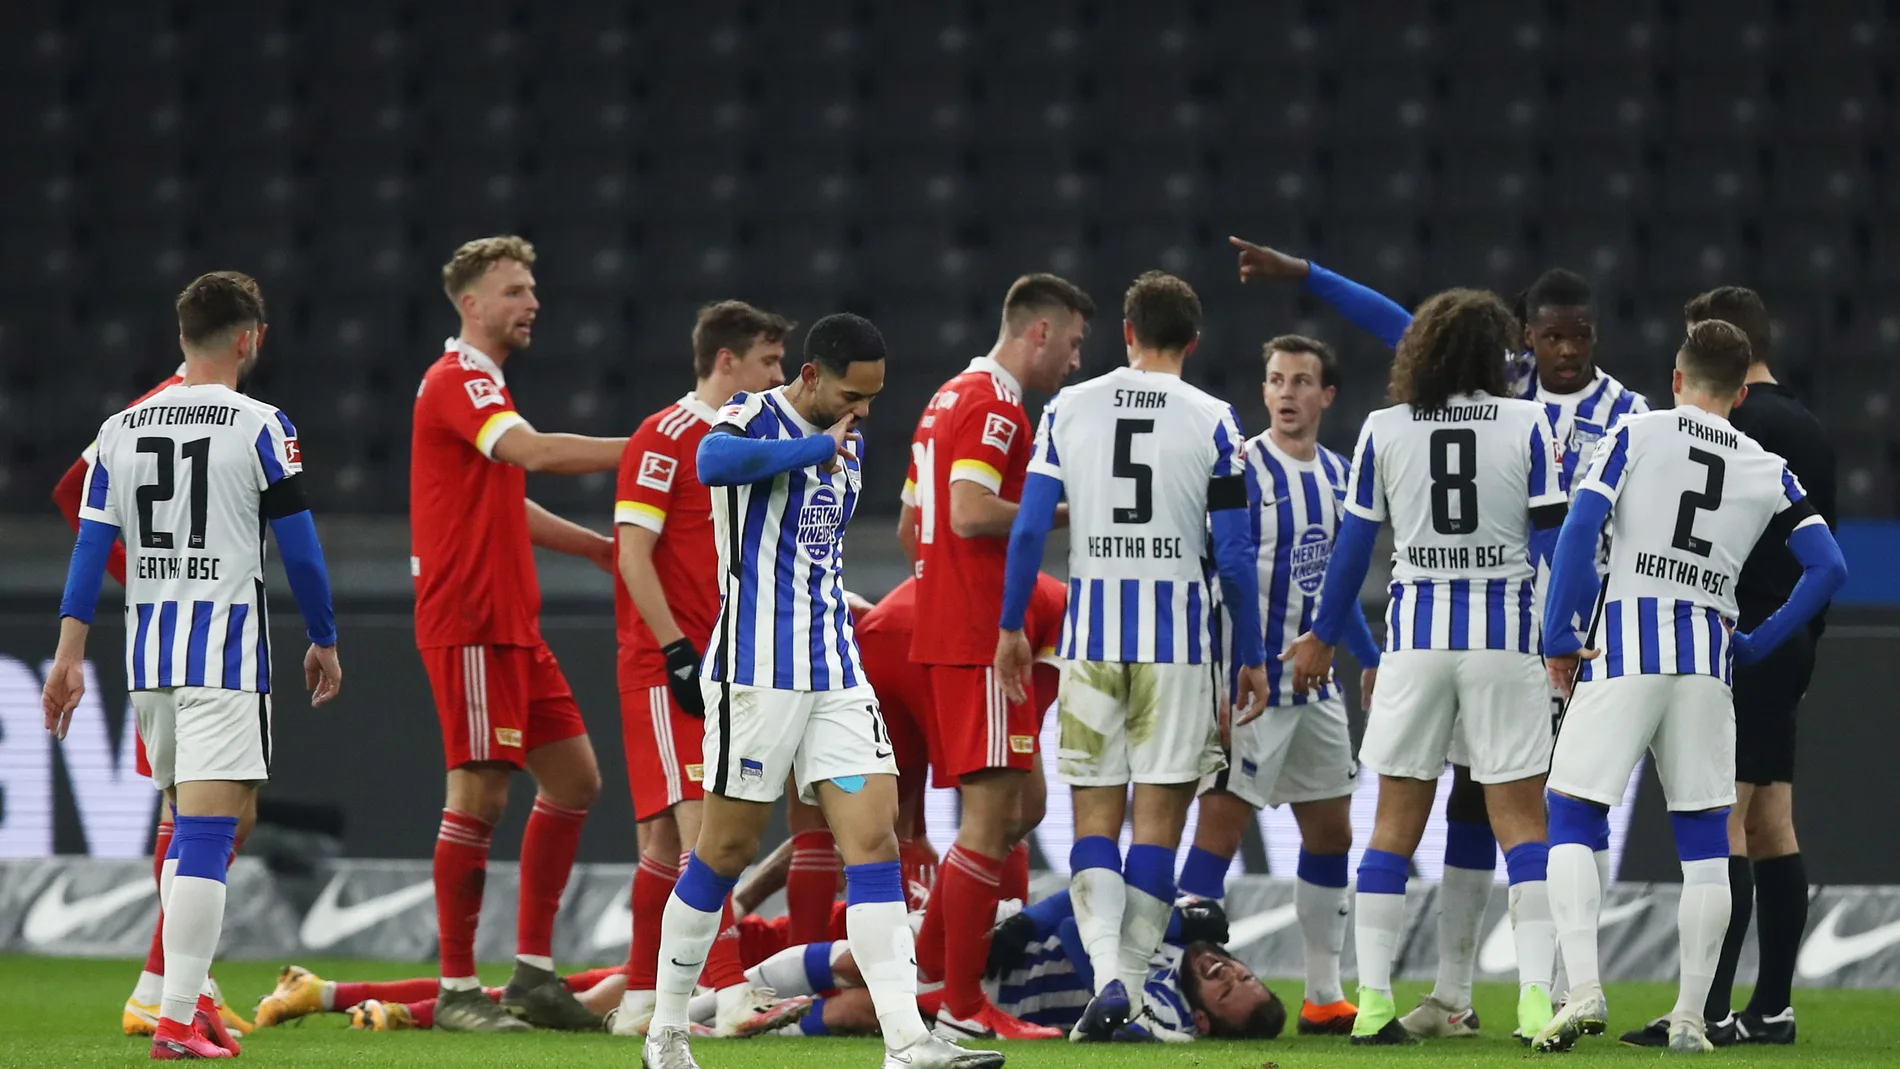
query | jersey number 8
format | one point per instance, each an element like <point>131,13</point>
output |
<point>1454,493</point>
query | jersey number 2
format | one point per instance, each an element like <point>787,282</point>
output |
<point>161,488</point>
<point>1126,468</point>
<point>1455,493</point>
<point>1708,500</point>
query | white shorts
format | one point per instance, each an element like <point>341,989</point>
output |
<point>1686,721</point>
<point>1141,723</point>
<point>1497,700</point>
<point>757,736</point>
<point>1459,753</point>
<point>1291,753</point>
<point>204,733</point>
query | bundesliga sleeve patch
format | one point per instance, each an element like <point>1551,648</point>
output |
<point>656,471</point>
<point>293,455</point>
<point>999,431</point>
<point>483,392</point>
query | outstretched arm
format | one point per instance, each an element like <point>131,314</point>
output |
<point>729,459</point>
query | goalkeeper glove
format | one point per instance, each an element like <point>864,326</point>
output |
<point>682,677</point>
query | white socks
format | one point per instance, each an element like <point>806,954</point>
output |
<point>1701,922</point>
<point>785,971</point>
<point>1534,932</point>
<point>1322,913</point>
<point>1144,922</point>
<point>193,924</point>
<point>150,989</point>
<point>886,953</point>
<point>1100,898</point>
<point>687,935</point>
<point>1463,895</point>
<point>1575,898</point>
<point>1380,918</point>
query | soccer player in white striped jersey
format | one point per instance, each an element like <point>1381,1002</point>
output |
<point>1147,462</point>
<point>1300,751</point>
<point>1686,497</point>
<point>187,476</point>
<point>785,691</point>
<point>1471,482</point>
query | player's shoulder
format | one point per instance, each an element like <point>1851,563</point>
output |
<point>261,411</point>
<point>740,408</point>
<point>1518,408</point>
<point>677,421</point>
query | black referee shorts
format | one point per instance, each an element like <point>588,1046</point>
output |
<point>1767,693</point>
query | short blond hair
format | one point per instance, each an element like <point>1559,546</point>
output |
<point>474,258</point>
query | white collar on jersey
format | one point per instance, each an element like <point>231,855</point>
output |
<point>477,357</point>
<point>1574,398</point>
<point>1001,373</point>
<point>1265,438</point>
<point>698,408</point>
<point>784,405</point>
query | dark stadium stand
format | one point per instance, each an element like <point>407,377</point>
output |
<point>906,161</point>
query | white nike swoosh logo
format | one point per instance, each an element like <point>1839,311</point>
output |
<point>1249,930</point>
<point>1827,951</point>
<point>328,924</point>
<point>614,928</point>
<point>1499,953</point>
<point>53,918</point>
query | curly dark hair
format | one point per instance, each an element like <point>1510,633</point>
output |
<point>1456,345</point>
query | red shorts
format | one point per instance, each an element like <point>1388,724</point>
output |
<point>144,763</point>
<point>974,727</point>
<point>497,703</point>
<point>663,744</point>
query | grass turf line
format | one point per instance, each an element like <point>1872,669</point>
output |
<point>62,1011</point>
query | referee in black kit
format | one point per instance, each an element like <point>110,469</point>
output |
<point>1764,859</point>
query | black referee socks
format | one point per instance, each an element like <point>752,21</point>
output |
<point>1781,888</point>
<point>1741,891</point>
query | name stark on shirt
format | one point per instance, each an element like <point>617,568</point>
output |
<point>1141,399</point>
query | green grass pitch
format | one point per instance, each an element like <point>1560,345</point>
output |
<point>65,1012</point>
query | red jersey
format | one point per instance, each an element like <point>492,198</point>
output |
<point>974,429</point>
<point>890,625</point>
<point>72,485</point>
<point>659,489</point>
<point>468,513</point>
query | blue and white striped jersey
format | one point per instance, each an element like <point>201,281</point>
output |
<point>1046,989</point>
<point>783,622</point>
<point>1296,513</point>
<point>1135,451</point>
<point>1689,497</point>
<point>1584,417</point>
<point>1459,484</point>
<point>182,474</point>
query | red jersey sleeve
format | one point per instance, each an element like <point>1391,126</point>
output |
<point>991,439</point>
<point>473,406</point>
<point>643,493</point>
<point>1043,623</point>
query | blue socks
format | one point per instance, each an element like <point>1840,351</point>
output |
<point>702,888</point>
<point>1095,852</point>
<point>1323,870</point>
<point>1526,862</point>
<point>873,881</point>
<point>203,845</point>
<point>1204,874</point>
<point>1150,870</point>
<point>1382,873</point>
<point>1701,836</point>
<point>1573,820</point>
<point>1470,845</point>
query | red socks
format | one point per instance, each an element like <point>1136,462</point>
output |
<point>1015,880</point>
<point>155,956</point>
<point>583,981</point>
<point>929,944</point>
<point>347,994</point>
<point>461,871</point>
<point>652,885</point>
<point>422,1013</point>
<point>967,894</point>
<point>548,846</point>
<point>723,968</point>
<point>811,886</point>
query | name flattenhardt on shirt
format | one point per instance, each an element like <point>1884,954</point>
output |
<point>176,415</point>
<point>1135,547</point>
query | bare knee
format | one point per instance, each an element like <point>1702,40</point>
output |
<point>1325,827</point>
<point>1222,823</point>
<point>578,789</point>
<point>479,791</point>
<point>660,838</point>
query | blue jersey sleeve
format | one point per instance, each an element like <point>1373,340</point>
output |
<point>1035,516</point>
<point>1345,574</point>
<point>1364,307</point>
<point>1573,572</point>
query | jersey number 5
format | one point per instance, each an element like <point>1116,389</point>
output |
<point>1455,492</point>
<point>1126,468</point>
<point>198,450</point>
<point>1708,500</point>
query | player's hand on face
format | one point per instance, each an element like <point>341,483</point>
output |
<point>65,685</point>
<point>1312,663</point>
<point>1368,677</point>
<point>322,673</point>
<point>847,441</point>
<point>1014,661</point>
<point>1261,262</point>
<point>1250,695</point>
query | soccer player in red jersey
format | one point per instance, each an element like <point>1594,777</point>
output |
<point>664,608</point>
<point>502,700</point>
<point>968,460</point>
<point>140,1015</point>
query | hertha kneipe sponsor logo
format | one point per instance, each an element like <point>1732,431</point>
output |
<point>818,523</point>
<point>1309,559</point>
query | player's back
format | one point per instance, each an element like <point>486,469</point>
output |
<point>1692,497</point>
<point>1458,484</point>
<point>468,516</point>
<point>184,474</point>
<point>1136,452</point>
